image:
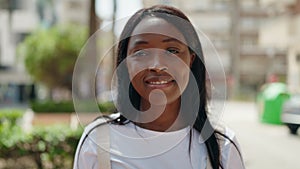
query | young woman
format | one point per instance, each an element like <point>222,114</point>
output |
<point>162,100</point>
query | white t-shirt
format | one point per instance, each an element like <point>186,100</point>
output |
<point>132,147</point>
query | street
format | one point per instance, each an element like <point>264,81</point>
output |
<point>263,146</point>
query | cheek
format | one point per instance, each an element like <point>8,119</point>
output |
<point>185,71</point>
<point>184,78</point>
<point>137,79</point>
<point>181,71</point>
<point>138,85</point>
<point>134,68</point>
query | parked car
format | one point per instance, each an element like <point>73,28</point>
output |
<point>291,113</point>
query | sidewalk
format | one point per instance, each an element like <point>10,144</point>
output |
<point>263,146</point>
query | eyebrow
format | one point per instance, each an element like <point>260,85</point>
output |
<point>171,40</point>
<point>141,42</point>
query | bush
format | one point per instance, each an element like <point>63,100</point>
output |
<point>67,106</point>
<point>46,147</point>
<point>55,146</point>
<point>9,128</point>
<point>52,106</point>
<point>10,115</point>
<point>108,107</point>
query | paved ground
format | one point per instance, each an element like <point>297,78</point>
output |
<point>264,146</point>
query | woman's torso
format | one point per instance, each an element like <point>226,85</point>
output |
<point>132,147</point>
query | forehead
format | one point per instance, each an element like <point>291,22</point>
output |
<point>158,26</point>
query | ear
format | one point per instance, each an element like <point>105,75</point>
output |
<point>193,56</point>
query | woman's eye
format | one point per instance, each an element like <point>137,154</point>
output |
<point>173,51</point>
<point>140,53</point>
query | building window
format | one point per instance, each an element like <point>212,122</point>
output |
<point>247,43</point>
<point>221,4</point>
<point>165,2</point>
<point>11,4</point>
<point>298,58</point>
<point>248,4</point>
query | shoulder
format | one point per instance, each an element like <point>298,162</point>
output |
<point>96,127</point>
<point>226,136</point>
<point>99,122</point>
<point>230,149</point>
<point>94,138</point>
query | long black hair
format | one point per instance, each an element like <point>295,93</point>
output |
<point>182,23</point>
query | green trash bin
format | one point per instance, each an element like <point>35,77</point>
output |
<point>270,101</point>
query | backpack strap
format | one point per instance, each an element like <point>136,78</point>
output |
<point>103,148</point>
<point>101,130</point>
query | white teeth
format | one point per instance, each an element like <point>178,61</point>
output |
<point>159,82</point>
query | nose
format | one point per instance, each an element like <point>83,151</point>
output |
<point>157,69</point>
<point>158,62</point>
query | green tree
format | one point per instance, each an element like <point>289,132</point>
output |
<point>50,54</point>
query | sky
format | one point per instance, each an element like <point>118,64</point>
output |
<point>125,8</point>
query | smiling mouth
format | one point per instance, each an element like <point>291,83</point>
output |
<point>159,81</point>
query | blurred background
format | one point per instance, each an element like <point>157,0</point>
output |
<point>258,42</point>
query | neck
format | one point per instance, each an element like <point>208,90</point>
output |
<point>166,121</point>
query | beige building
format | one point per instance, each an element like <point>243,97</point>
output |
<point>74,11</point>
<point>281,31</point>
<point>17,23</point>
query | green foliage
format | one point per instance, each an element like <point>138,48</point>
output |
<point>50,54</point>
<point>67,106</point>
<point>10,115</point>
<point>47,147</point>
<point>52,106</point>
<point>8,125</point>
<point>56,145</point>
<point>107,107</point>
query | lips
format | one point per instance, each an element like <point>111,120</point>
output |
<point>159,81</point>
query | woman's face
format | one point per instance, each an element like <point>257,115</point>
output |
<point>158,61</point>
